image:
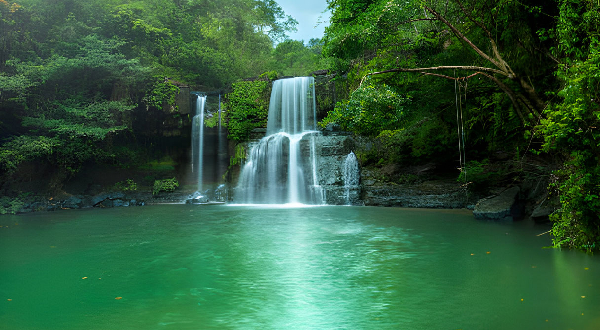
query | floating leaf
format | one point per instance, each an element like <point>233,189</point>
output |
<point>488,252</point>
<point>582,296</point>
<point>83,278</point>
<point>118,298</point>
<point>9,299</point>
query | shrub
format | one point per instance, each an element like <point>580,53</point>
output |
<point>127,185</point>
<point>166,185</point>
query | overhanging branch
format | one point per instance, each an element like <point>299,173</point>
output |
<point>444,67</point>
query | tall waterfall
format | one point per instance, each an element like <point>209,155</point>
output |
<point>351,175</point>
<point>198,139</point>
<point>281,168</point>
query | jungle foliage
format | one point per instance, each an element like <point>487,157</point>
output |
<point>515,77</point>
<point>76,76</point>
<point>247,107</point>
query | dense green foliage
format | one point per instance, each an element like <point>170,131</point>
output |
<point>165,185</point>
<point>570,126</point>
<point>369,110</point>
<point>77,78</point>
<point>515,77</point>
<point>247,107</point>
<point>294,58</point>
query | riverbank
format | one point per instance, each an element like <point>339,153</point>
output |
<point>423,187</point>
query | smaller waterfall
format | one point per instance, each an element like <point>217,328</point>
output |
<point>198,139</point>
<point>351,176</point>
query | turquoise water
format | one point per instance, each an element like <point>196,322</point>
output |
<point>236,267</point>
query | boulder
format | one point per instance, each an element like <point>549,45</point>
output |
<point>500,207</point>
<point>73,202</point>
<point>196,198</point>
<point>542,212</point>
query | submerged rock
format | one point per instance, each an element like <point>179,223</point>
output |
<point>501,207</point>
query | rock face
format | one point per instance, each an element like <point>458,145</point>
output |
<point>501,207</point>
<point>542,212</point>
<point>416,186</point>
<point>332,151</point>
<point>430,194</point>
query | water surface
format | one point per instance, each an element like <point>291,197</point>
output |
<point>237,267</point>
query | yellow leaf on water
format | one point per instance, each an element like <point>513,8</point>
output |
<point>521,299</point>
<point>582,296</point>
<point>488,252</point>
<point>472,254</point>
<point>9,299</point>
<point>586,268</point>
<point>118,298</point>
<point>83,278</point>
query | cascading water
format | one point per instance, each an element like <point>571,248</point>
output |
<point>281,167</point>
<point>198,139</point>
<point>351,175</point>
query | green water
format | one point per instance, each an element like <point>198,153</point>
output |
<point>234,267</point>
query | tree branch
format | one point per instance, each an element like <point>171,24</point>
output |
<point>417,20</point>
<point>444,67</point>
<point>497,62</point>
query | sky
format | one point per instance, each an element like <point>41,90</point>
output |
<point>308,13</point>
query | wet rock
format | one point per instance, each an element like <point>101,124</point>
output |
<point>500,207</point>
<point>106,199</point>
<point>542,213</point>
<point>333,127</point>
<point>99,199</point>
<point>340,195</point>
<point>73,202</point>
<point>414,196</point>
<point>197,198</point>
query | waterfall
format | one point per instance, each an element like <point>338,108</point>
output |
<point>198,139</point>
<point>351,175</point>
<point>281,167</point>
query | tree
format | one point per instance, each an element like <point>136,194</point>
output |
<point>570,126</point>
<point>524,99</point>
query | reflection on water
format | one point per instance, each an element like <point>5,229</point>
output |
<point>235,267</point>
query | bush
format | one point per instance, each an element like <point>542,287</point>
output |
<point>371,109</point>
<point>10,205</point>
<point>127,185</point>
<point>166,185</point>
<point>247,108</point>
